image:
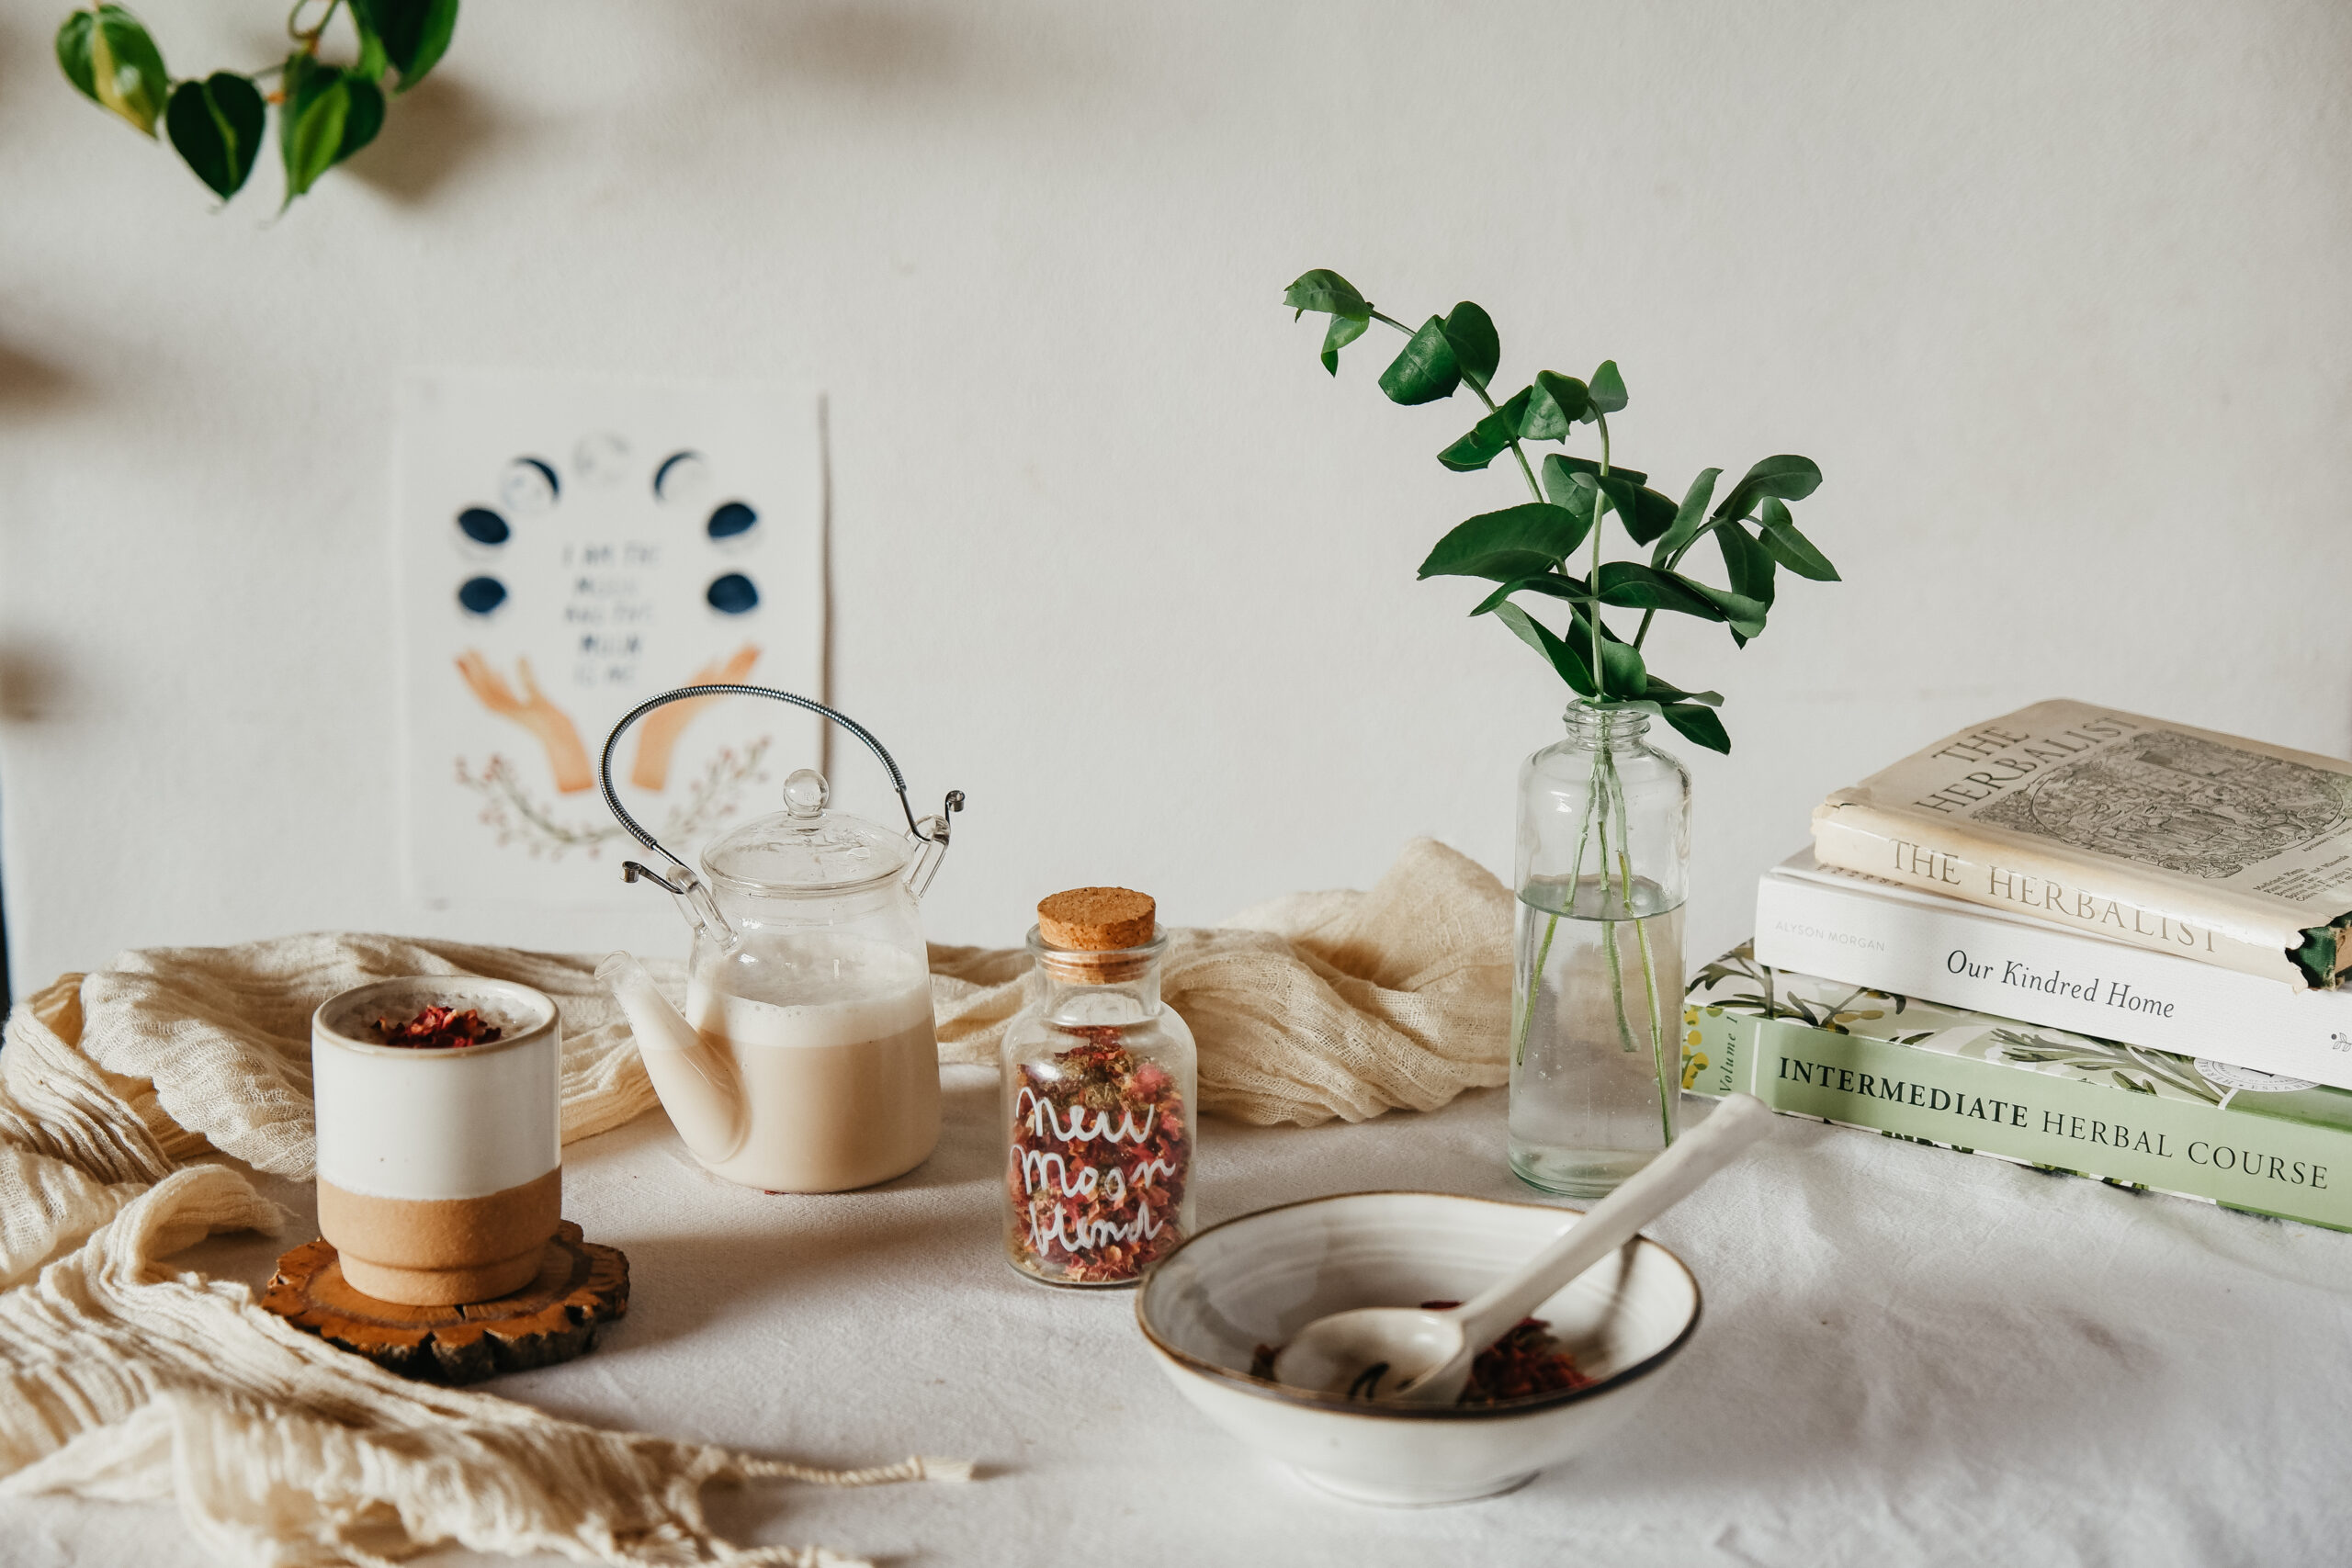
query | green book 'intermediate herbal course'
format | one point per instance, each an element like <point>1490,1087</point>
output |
<point>1971,1081</point>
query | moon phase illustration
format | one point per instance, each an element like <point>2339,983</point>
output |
<point>484,527</point>
<point>481,595</point>
<point>601,459</point>
<point>732,520</point>
<point>681,477</point>
<point>732,594</point>
<point>529,486</point>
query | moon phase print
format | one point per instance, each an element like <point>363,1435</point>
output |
<point>569,546</point>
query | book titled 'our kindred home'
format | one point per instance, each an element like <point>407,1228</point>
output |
<point>2226,850</point>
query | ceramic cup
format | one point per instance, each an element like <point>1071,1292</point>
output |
<point>440,1170</point>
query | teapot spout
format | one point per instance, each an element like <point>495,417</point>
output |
<point>697,1082</point>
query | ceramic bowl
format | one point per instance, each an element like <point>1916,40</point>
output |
<point>1257,1280</point>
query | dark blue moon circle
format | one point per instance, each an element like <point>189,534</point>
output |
<point>484,527</point>
<point>546,470</point>
<point>732,521</point>
<point>481,595</point>
<point>730,595</point>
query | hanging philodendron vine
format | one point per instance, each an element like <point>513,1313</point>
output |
<point>1531,549</point>
<point>326,112</point>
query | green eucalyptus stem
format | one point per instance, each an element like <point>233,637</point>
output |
<point>1666,1087</point>
<point>1593,581</point>
<point>1603,772</point>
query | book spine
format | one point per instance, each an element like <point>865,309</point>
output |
<point>1956,955</point>
<point>2267,1166</point>
<point>1939,856</point>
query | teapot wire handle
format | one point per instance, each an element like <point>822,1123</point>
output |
<point>632,870</point>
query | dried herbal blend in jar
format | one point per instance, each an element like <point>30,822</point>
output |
<point>1098,1086</point>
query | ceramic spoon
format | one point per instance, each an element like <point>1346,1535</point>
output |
<point>1423,1357</point>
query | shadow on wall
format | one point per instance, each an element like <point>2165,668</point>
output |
<point>873,46</point>
<point>28,383</point>
<point>444,126</point>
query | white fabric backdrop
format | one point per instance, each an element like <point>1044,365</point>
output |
<point>1908,1356</point>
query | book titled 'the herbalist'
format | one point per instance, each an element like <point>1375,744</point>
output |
<point>2222,850</point>
<point>1981,1084</point>
<point>1844,926</point>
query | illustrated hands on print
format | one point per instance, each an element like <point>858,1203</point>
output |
<point>559,738</point>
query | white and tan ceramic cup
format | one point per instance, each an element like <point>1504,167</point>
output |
<point>440,1170</point>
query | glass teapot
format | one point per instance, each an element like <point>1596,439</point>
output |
<point>805,1061</point>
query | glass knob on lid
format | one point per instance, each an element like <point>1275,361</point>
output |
<point>805,848</point>
<point>805,793</point>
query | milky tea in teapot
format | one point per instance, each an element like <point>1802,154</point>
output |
<point>805,1061</point>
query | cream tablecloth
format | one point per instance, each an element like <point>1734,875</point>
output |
<point>1907,1356</point>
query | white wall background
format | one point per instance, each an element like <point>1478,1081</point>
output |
<point>2057,295</point>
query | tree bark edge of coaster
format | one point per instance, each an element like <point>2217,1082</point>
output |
<point>580,1286</point>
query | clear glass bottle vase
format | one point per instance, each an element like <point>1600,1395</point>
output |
<point>1603,866</point>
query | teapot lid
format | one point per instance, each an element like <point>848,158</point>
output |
<point>804,849</point>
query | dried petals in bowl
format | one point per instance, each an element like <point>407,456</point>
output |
<point>438,1028</point>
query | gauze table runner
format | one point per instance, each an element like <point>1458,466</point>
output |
<point>120,1091</point>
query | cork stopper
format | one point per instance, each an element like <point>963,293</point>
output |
<point>1096,920</point>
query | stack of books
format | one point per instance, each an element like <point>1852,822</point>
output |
<point>2083,940</point>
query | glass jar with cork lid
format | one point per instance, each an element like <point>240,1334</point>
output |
<point>1100,1083</point>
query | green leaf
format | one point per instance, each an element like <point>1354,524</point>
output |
<point>109,57</point>
<point>1426,371</point>
<point>1699,725</point>
<point>373,62</point>
<point>415,34</point>
<point>1792,550</point>
<point>1587,465</point>
<point>1559,585</point>
<point>1323,289</point>
<point>367,115</point>
<point>1750,568</point>
<point>1519,541</point>
<point>1343,330</point>
<point>1608,389</point>
<point>1489,438</point>
<point>1473,452</point>
<point>1789,476</point>
<point>1559,403</point>
<point>1566,660</point>
<point>1622,672</point>
<point>328,115</point>
<point>311,121</point>
<point>1645,513</point>
<point>1746,614</point>
<point>217,125</point>
<point>1630,585</point>
<point>1689,517</point>
<point>1665,692</point>
<point>1568,485</point>
<point>1476,347</point>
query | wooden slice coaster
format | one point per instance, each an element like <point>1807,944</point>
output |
<point>581,1285</point>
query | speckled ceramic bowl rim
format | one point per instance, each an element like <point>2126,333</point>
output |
<point>392,986</point>
<point>1340,1404</point>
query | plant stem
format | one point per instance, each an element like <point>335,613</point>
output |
<point>1526,1024</point>
<point>1666,1087</point>
<point>309,38</point>
<point>1593,582</point>
<point>1603,773</point>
